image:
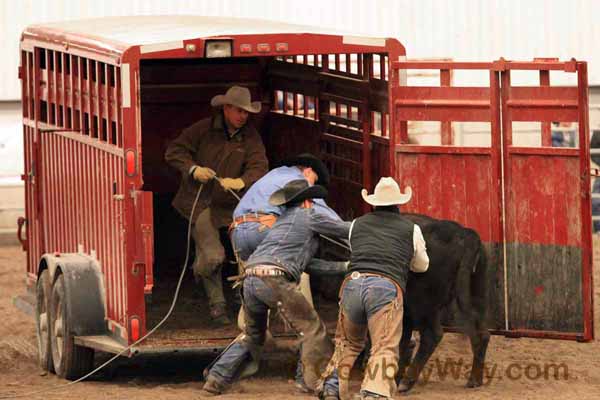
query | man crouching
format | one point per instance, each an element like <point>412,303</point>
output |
<point>384,247</point>
<point>271,282</point>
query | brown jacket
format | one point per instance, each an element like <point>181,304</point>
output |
<point>206,143</point>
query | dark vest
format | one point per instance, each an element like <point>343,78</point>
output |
<point>382,242</point>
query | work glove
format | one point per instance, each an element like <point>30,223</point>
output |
<point>203,174</point>
<point>232,183</point>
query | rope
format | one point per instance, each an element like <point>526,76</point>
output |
<point>321,235</point>
<point>168,314</point>
<point>162,321</point>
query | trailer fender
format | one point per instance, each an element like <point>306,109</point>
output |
<point>84,290</point>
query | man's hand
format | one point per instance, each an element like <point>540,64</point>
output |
<point>232,183</point>
<point>203,174</point>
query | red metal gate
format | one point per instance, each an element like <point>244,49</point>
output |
<point>531,205</point>
<point>548,209</point>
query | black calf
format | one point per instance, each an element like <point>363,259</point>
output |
<point>457,270</point>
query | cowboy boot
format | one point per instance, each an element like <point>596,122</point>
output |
<point>218,314</point>
<point>212,387</point>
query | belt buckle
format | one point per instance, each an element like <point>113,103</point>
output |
<point>355,275</point>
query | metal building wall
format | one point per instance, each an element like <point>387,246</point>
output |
<point>461,29</point>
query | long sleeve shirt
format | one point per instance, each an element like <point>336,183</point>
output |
<point>256,199</point>
<point>293,240</point>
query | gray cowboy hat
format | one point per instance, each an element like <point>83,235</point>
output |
<point>309,160</point>
<point>297,191</point>
<point>237,96</point>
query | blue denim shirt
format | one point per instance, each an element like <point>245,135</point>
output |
<point>256,199</point>
<point>293,240</point>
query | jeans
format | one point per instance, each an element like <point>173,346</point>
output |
<point>369,304</point>
<point>256,297</point>
<point>362,298</point>
<point>246,237</point>
<point>276,293</point>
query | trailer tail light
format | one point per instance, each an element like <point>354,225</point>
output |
<point>130,162</point>
<point>245,48</point>
<point>134,324</point>
<point>218,48</point>
<point>263,47</point>
<point>279,47</point>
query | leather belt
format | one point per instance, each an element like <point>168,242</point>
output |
<point>264,270</point>
<point>358,274</point>
<point>264,219</point>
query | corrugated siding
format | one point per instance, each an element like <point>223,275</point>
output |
<point>82,176</point>
<point>73,177</point>
<point>461,29</point>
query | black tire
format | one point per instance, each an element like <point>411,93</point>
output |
<point>42,321</point>
<point>70,360</point>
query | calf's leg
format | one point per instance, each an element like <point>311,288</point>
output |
<point>480,338</point>
<point>407,346</point>
<point>431,335</point>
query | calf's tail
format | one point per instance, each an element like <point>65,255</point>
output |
<point>471,290</point>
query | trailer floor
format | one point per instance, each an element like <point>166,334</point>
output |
<point>190,325</point>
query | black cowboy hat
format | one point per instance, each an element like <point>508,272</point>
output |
<point>297,191</point>
<point>309,160</point>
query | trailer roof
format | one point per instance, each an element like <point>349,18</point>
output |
<point>119,33</point>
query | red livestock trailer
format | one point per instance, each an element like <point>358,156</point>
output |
<point>103,98</point>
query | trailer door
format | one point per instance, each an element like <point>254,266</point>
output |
<point>530,205</point>
<point>29,73</point>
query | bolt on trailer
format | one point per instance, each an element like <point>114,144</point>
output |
<point>102,101</point>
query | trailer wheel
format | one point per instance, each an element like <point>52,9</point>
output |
<point>42,321</point>
<point>70,360</point>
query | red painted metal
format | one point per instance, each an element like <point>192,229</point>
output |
<point>83,150</point>
<point>446,126</point>
<point>67,184</point>
<point>82,121</point>
<point>546,132</point>
<point>551,183</point>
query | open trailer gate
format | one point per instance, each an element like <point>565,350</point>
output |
<point>530,205</point>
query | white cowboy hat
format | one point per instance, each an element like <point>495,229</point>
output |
<point>237,96</point>
<point>387,193</point>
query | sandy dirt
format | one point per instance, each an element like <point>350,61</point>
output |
<point>516,368</point>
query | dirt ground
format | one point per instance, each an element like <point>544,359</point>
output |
<point>516,368</point>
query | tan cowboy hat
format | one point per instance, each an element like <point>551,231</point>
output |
<point>237,96</point>
<point>387,193</point>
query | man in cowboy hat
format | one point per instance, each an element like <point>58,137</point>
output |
<point>385,246</point>
<point>227,148</point>
<point>254,216</point>
<point>272,274</point>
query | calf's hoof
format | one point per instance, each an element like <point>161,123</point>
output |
<point>473,383</point>
<point>405,385</point>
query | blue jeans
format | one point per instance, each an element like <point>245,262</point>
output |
<point>373,304</point>
<point>256,297</point>
<point>246,237</point>
<point>277,293</point>
<point>362,298</point>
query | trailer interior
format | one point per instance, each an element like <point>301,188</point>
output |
<point>306,107</point>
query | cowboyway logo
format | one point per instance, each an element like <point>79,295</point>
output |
<point>456,369</point>
<point>459,369</point>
